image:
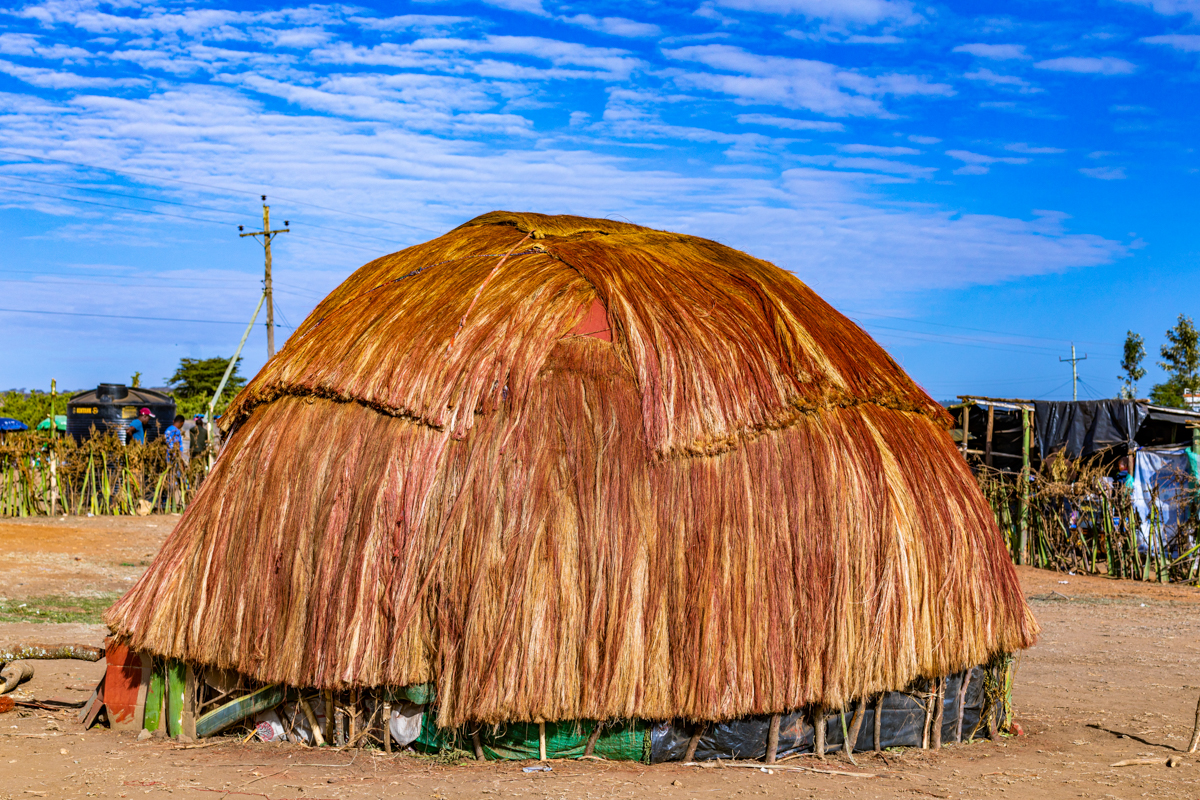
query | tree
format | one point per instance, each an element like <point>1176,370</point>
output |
<point>1131,366</point>
<point>33,407</point>
<point>195,382</point>
<point>1181,362</point>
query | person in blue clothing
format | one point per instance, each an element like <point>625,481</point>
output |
<point>174,437</point>
<point>135,431</point>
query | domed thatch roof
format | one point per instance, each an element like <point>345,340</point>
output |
<point>621,473</point>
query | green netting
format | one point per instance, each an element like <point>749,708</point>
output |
<point>518,741</point>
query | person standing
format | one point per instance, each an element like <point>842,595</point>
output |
<point>174,437</point>
<point>135,431</point>
<point>199,438</point>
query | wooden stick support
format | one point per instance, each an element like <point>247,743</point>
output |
<point>318,738</point>
<point>819,732</point>
<point>929,701</point>
<point>939,711</point>
<point>1195,731</point>
<point>188,723</point>
<point>590,750</point>
<point>694,742</point>
<point>478,745</point>
<point>962,705</point>
<point>541,741</point>
<point>878,740</point>
<point>773,739</point>
<point>353,721</point>
<point>329,720</point>
<point>860,711</point>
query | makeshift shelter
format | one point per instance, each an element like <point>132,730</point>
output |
<point>554,469</point>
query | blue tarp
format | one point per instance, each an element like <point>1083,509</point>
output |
<point>10,424</point>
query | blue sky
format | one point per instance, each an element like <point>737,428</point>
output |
<point>977,184</point>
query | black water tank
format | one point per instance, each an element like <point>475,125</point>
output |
<point>112,406</point>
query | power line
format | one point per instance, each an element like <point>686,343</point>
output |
<point>122,316</point>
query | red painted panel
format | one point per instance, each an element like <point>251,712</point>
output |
<point>123,679</point>
<point>594,323</point>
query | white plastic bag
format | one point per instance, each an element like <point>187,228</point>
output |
<point>405,724</point>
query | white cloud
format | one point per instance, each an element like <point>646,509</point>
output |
<point>1105,65</point>
<point>1104,173</point>
<point>868,12</point>
<point>26,44</point>
<point>997,52</point>
<point>55,79</point>
<point>978,163</point>
<point>424,23</point>
<point>1187,42</point>
<point>525,6</point>
<point>878,150</point>
<point>789,123</point>
<point>1171,7</point>
<point>795,82</point>
<point>924,139</point>
<point>987,76</point>
<point>616,26</point>
<point>1022,147</point>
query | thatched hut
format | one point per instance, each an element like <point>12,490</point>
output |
<point>575,469</point>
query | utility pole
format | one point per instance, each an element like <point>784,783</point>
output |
<point>268,235</point>
<point>1074,368</point>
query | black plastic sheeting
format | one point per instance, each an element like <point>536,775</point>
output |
<point>903,725</point>
<point>1086,427</point>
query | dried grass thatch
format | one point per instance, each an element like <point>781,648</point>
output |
<point>738,505</point>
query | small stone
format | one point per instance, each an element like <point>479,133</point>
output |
<point>144,735</point>
<point>1174,761</point>
<point>677,783</point>
<point>63,751</point>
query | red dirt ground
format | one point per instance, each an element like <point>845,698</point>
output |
<point>1115,676</point>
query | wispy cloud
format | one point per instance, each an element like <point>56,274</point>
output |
<point>1187,42</point>
<point>797,83</point>
<point>1104,173</point>
<point>1171,7</point>
<point>978,163</point>
<point>1022,147</point>
<point>867,12</point>
<point>997,52</point>
<point>790,123</point>
<point>987,76</point>
<point>616,26</point>
<point>1104,65</point>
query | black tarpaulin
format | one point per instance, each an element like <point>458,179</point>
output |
<point>1086,427</point>
<point>902,724</point>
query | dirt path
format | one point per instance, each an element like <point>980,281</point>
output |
<point>1115,676</point>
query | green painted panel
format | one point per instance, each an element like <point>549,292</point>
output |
<point>176,689</point>
<point>235,711</point>
<point>154,697</point>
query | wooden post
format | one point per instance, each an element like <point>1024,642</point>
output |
<point>694,742</point>
<point>541,741</point>
<point>595,737</point>
<point>879,723</point>
<point>477,745</point>
<point>966,427</point>
<point>987,447</point>
<point>1023,543</point>
<point>819,731</point>
<point>772,739</point>
<point>329,720</point>
<point>1195,731</point>
<point>318,739</point>
<point>939,697</point>
<point>353,721</point>
<point>189,705</point>
<point>856,722</point>
<point>962,705</point>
